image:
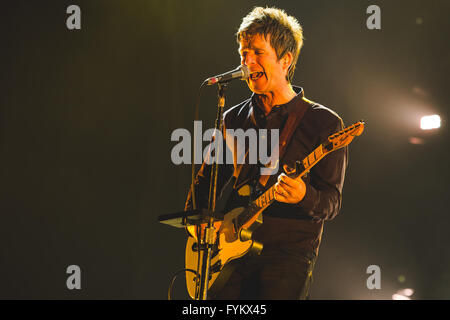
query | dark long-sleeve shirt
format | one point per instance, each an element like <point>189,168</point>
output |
<point>324,183</point>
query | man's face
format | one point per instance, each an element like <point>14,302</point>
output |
<point>267,73</point>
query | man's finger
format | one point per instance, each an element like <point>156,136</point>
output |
<point>292,185</point>
<point>291,189</point>
<point>280,197</point>
<point>283,191</point>
<point>289,181</point>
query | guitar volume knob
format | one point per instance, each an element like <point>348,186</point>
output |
<point>245,235</point>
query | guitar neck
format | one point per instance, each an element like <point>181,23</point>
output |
<point>268,197</point>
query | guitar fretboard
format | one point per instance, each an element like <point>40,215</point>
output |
<point>313,158</point>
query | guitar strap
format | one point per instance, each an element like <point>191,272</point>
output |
<point>292,123</point>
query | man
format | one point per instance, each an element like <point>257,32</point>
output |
<point>269,44</point>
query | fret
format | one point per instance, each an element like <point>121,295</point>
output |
<point>328,146</point>
<point>311,158</point>
<point>305,163</point>
<point>318,152</point>
<point>266,199</point>
<point>270,195</point>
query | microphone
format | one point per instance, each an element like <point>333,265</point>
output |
<point>240,72</point>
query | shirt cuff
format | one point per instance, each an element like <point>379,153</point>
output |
<point>309,201</point>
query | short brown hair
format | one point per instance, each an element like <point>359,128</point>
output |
<point>286,33</point>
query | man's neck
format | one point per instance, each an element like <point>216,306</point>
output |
<point>275,98</point>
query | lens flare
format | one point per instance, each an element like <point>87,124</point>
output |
<point>430,122</point>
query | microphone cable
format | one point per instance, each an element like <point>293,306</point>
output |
<point>169,293</point>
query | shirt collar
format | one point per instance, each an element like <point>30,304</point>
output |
<point>286,109</point>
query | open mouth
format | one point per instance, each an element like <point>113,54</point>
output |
<point>256,75</point>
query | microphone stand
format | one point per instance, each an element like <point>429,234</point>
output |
<point>208,236</point>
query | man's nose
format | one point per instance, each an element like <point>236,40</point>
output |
<point>249,59</point>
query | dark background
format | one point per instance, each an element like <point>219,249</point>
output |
<point>87,115</point>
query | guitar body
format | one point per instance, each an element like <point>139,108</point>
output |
<point>226,252</point>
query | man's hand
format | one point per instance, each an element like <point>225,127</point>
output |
<point>227,227</point>
<point>289,190</point>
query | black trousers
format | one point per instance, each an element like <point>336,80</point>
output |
<point>284,268</point>
<point>273,275</point>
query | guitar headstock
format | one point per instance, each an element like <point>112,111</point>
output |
<point>344,137</point>
<point>334,142</point>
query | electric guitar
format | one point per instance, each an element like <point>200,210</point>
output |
<point>233,236</point>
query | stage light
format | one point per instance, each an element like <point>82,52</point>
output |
<point>430,122</point>
<point>397,296</point>
<point>403,294</point>
<point>408,292</point>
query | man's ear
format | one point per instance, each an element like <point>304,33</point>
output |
<point>287,60</point>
